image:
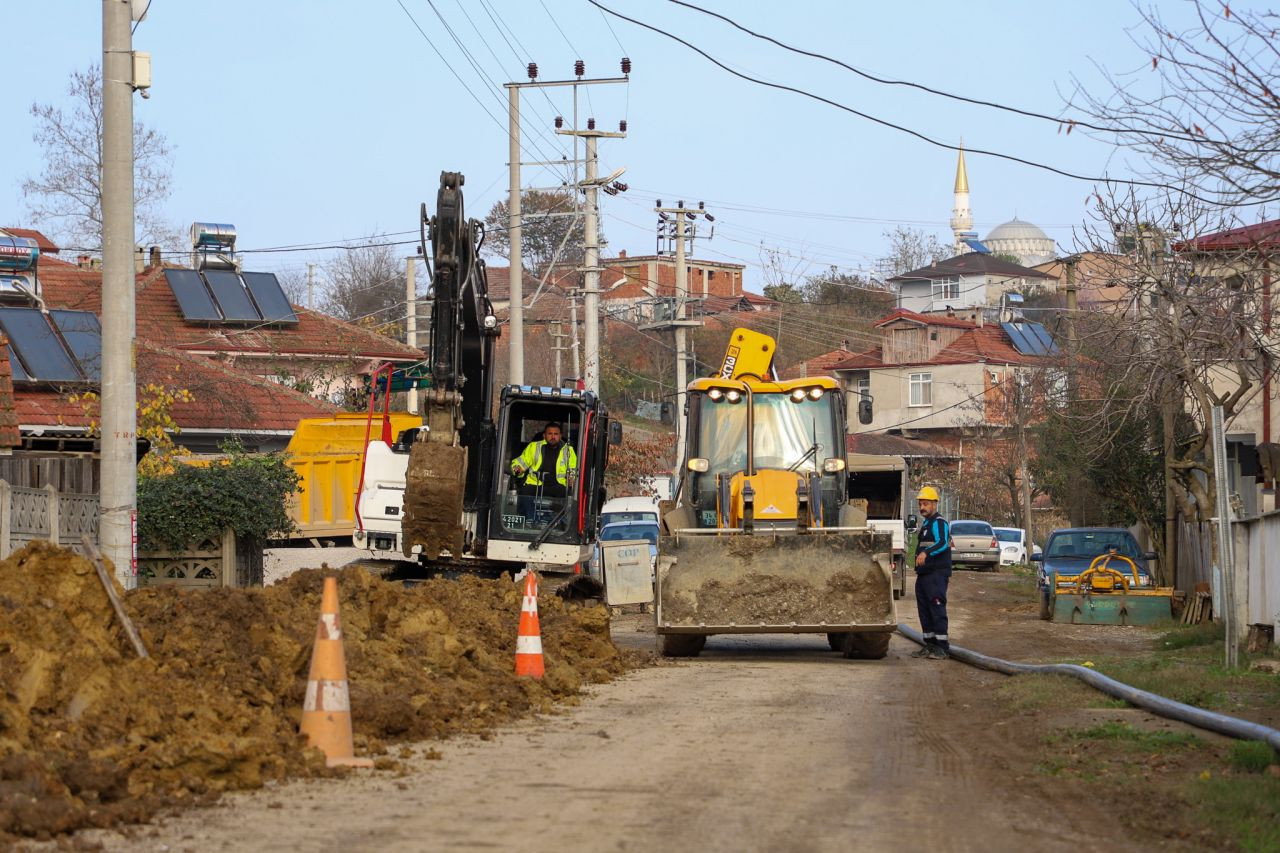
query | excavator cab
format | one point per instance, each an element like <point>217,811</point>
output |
<point>548,502</point>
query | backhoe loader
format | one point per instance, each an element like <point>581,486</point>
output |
<point>762,536</point>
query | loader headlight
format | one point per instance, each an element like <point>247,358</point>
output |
<point>699,465</point>
<point>816,393</point>
<point>798,395</point>
<point>716,395</point>
<point>832,465</point>
<point>733,395</point>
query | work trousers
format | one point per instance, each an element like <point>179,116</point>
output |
<point>931,603</point>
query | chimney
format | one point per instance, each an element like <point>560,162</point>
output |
<point>95,263</point>
<point>155,257</point>
<point>951,312</point>
<point>844,345</point>
<point>82,261</point>
<point>139,260</point>
<point>978,317</point>
<point>622,254</point>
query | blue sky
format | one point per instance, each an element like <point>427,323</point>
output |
<point>322,122</point>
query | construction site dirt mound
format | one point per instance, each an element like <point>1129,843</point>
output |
<point>92,735</point>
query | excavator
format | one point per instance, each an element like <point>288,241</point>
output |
<point>762,536</point>
<point>463,507</point>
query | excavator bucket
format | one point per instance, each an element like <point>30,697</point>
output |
<point>729,581</point>
<point>434,486</point>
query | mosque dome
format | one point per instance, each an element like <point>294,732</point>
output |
<point>1022,239</point>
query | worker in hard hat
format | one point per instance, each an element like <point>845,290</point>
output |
<point>933,572</point>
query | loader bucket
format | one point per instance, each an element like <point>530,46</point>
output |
<point>1131,608</point>
<point>731,582</point>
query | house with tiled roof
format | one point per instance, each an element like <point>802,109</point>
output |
<point>976,280</point>
<point>251,380</point>
<point>943,379</point>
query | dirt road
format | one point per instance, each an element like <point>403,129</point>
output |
<point>763,743</point>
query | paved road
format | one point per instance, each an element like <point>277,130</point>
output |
<point>763,743</point>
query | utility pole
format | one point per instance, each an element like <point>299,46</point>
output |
<point>573,327</point>
<point>411,318</point>
<point>119,443</point>
<point>515,223</point>
<point>311,285</point>
<point>673,226</point>
<point>558,346</point>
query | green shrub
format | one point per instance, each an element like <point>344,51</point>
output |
<point>246,492</point>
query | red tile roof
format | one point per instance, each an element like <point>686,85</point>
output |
<point>926,319</point>
<point>819,365</point>
<point>883,444</point>
<point>224,398</point>
<point>987,344</point>
<point>45,245</point>
<point>65,285</point>
<point>972,263</point>
<point>1262,235</point>
<point>9,436</point>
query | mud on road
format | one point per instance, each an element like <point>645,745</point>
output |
<point>762,743</point>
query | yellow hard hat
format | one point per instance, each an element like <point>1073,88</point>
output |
<point>928,493</point>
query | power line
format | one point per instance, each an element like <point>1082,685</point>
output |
<point>902,129</point>
<point>1182,137</point>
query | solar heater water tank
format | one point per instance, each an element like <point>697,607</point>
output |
<point>18,253</point>
<point>213,235</point>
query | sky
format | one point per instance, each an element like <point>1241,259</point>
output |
<point>314,124</point>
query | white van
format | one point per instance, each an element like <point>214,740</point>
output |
<point>639,508</point>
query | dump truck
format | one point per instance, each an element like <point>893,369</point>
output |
<point>762,536</point>
<point>326,454</point>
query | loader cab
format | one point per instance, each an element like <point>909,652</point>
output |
<point>747,426</point>
<point>557,505</point>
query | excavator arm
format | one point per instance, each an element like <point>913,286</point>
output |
<point>449,482</point>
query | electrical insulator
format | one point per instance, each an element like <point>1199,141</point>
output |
<point>622,126</point>
<point>658,203</point>
<point>626,65</point>
<point>559,122</point>
<point>702,205</point>
<point>533,71</point>
<point>591,124</point>
<point>620,186</point>
<point>579,67</point>
<point>680,203</point>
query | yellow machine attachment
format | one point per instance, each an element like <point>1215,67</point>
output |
<point>762,537</point>
<point>1103,595</point>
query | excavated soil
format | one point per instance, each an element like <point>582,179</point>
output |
<point>91,735</point>
<point>768,599</point>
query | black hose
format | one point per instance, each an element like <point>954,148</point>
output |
<point>1199,717</point>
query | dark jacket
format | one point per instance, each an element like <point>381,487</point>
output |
<point>934,542</point>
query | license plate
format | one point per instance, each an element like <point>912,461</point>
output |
<point>969,555</point>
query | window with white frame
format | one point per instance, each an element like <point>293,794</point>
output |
<point>860,383</point>
<point>946,288</point>
<point>920,389</point>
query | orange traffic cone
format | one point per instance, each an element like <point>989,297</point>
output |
<point>326,712</point>
<point>529,638</point>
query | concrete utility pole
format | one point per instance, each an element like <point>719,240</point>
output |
<point>515,222</point>
<point>411,317</point>
<point>677,229</point>
<point>119,400</point>
<point>514,238</point>
<point>573,340</point>
<point>557,335</point>
<point>311,285</point>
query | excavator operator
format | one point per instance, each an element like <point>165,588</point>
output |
<point>545,464</point>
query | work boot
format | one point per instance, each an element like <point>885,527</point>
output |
<point>936,653</point>
<point>923,651</point>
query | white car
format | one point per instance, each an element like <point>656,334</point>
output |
<point>1013,545</point>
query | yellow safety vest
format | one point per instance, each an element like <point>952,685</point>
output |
<point>531,459</point>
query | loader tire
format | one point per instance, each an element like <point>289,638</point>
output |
<point>836,640</point>
<point>866,646</point>
<point>681,645</point>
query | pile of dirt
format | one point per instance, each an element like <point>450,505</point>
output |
<point>91,735</point>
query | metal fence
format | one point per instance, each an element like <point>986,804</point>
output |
<point>1257,563</point>
<point>30,514</point>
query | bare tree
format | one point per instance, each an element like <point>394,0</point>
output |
<point>1186,337</point>
<point>366,285</point>
<point>66,197</point>
<point>911,249</point>
<point>1205,110</point>
<point>550,231</point>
